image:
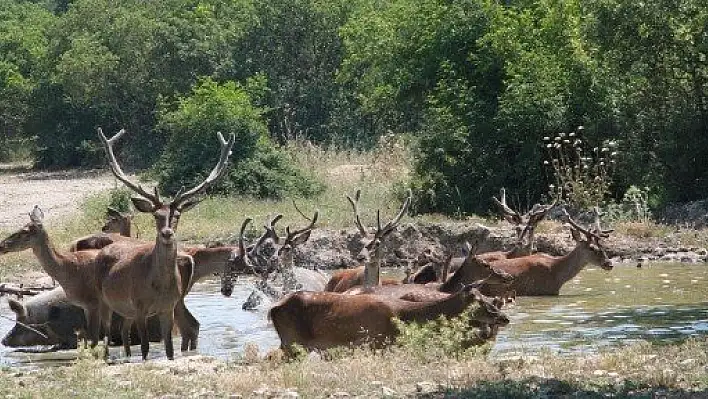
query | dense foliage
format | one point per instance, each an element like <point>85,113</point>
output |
<point>256,167</point>
<point>477,84</point>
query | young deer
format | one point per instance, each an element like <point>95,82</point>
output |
<point>542,274</point>
<point>76,272</point>
<point>322,320</point>
<point>116,228</point>
<point>143,280</point>
<point>371,253</point>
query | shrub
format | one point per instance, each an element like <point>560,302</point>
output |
<point>256,167</point>
<point>581,176</point>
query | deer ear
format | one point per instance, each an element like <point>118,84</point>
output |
<point>17,307</point>
<point>466,249</point>
<point>36,216</point>
<point>143,205</point>
<point>113,212</point>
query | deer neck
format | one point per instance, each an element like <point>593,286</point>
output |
<point>56,265</point>
<point>467,273</point>
<point>569,265</point>
<point>164,261</point>
<point>372,273</point>
<point>420,312</point>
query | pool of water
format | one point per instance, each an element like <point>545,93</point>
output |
<point>660,302</point>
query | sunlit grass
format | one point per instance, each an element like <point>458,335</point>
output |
<point>636,370</point>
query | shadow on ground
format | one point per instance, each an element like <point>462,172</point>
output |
<point>554,388</point>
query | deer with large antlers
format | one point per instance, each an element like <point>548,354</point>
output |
<point>322,320</point>
<point>524,235</point>
<point>295,278</point>
<point>144,280</point>
<point>542,274</point>
<point>368,275</point>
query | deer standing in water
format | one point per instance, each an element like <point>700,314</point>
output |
<point>543,274</point>
<point>143,280</point>
<point>322,320</point>
<point>371,253</point>
<point>76,272</point>
<point>524,236</point>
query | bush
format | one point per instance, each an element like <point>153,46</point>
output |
<point>256,167</point>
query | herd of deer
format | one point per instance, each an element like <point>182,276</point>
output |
<point>115,278</point>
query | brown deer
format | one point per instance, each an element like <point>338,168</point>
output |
<point>494,282</point>
<point>76,272</point>
<point>370,254</point>
<point>245,260</point>
<point>116,228</point>
<point>322,320</point>
<point>295,277</point>
<point>139,281</point>
<point>542,274</point>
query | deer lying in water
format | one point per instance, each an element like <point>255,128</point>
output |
<point>56,322</point>
<point>138,281</point>
<point>542,274</point>
<point>370,254</point>
<point>322,320</point>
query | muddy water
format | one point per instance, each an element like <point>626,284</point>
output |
<point>660,302</point>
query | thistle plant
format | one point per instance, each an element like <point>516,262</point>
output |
<point>580,175</point>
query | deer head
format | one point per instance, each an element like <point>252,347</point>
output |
<point>524,235</point>
<point>117,222</point>
<point>166,214</point>
<point>27,236</point>
<point>590,241</point>
<point>245,259</point>
<point>372,242</point>
<point>293,238</point>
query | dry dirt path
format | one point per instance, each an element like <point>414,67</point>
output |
<point>58,193</point>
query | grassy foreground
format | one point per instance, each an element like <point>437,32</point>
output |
<point>641,370</point>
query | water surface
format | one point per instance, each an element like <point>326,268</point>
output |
<point>659,302</point>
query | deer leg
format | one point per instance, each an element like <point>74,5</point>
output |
<point>188,326</point>
<point>166,323</point>
<point>105,319</point>
<point>141,324</point>
<point>93,324</point>
<point>125,335</point>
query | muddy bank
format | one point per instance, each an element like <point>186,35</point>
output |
<point>334,249</point>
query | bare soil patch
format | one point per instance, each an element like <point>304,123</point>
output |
<point>58,193</point>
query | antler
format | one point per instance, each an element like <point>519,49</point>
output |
<point>589,234</point>
<point>394,222</point>
<point>357,220</point>
<point>215,174</point>
<point>270,229</point>
<point>290,236</point>
<point>118,172</point>
<point>241,244</point>
<point>269,232</point>
<point>510,215</point>
<point>602,233</point>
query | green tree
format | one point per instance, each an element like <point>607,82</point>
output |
<point>23,49</point>
<point>257,168</point>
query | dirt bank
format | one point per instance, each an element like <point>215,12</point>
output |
<point>59,194</point>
